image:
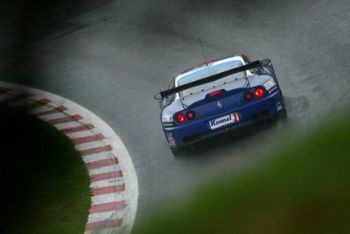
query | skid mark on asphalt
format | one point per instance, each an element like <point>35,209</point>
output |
<point>113,182</point>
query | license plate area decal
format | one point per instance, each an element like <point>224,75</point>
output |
<point>224,121</point>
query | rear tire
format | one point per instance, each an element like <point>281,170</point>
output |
<point>175,150</point>
<point>283,114</point>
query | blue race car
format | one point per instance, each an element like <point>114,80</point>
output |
<point>217,96</point>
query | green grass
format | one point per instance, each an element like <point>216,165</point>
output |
<point>302,187</point>
<point>46,182</point>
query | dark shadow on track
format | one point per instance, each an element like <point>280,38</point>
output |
<point>232,138</point>
<point>25,23</point>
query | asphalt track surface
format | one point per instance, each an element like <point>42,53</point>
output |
<point>112,60</point>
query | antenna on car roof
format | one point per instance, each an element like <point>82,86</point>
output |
<point>203,52</point>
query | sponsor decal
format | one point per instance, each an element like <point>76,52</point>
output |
<point>224,120</point>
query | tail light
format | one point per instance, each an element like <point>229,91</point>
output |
<point>217,92</point>
<point>248,96</point>
<point>259,92</point>
<point>190,115</point>
<point>180,118</point>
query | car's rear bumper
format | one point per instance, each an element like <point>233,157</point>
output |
<point>267,107</point>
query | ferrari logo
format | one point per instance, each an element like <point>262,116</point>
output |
<point>219,104</point>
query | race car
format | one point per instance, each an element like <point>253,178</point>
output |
<point>217,96</point>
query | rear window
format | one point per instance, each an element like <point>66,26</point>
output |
<point>208,71</point>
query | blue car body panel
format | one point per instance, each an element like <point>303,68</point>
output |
<point>229,109</point>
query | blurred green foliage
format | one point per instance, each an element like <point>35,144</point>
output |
<point>302,187</point>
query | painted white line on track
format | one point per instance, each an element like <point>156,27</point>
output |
<point>96,157</point>
<point>89,145</point>
<point>105,183</point>
<point>105,215</point>
<point>40,109</point>
<point>67,125</point>
<point>78,134</point>
<point>106,169</point>
<point>52,116</point>
<point>107,198</point>
<point>113,180</point>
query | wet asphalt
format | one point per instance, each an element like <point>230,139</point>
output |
<point>112,58</point>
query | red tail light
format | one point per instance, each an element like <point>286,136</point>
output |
<point>212,94</point>
<point>259,92</point>
<point>180,118</point>
<point>190,115</point>
<point>248,96</point>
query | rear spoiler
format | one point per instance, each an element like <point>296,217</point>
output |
<point>208,79</point>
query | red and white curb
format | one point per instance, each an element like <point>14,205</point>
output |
<point>113,181</point>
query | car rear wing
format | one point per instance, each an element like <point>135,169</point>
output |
<point>212,78</point>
